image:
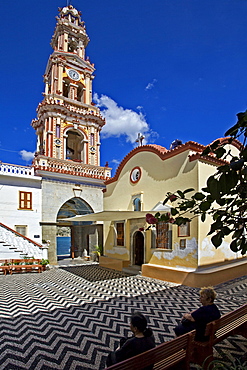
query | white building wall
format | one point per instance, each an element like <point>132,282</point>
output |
<point>12,180</point>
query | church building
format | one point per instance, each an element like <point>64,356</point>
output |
<point>182,254</point>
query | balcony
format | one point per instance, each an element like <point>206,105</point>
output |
<point>42,163</point>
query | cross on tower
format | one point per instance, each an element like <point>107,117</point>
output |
<point>140,139</point>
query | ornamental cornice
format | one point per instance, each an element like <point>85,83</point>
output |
<point>73,60</point>
<point>52,109</point>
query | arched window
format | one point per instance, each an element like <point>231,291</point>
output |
<point>137,204</point>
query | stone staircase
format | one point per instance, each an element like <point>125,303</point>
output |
<point>14,245</point>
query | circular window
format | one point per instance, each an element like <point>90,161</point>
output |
<point>135,174</point>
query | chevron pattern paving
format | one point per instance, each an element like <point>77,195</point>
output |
<point>71,317</point>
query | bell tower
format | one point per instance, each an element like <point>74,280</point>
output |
<point>68,127</point>
<point>68,123</point>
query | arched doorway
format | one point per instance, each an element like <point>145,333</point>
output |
<point>138,243</point>
<point>70,241</point>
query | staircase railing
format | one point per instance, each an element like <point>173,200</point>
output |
<point>22,243</point>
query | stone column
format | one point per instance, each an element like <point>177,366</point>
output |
<point>49,232</point>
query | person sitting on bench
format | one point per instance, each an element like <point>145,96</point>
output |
<point>199,318</point>
<point>141,341</point>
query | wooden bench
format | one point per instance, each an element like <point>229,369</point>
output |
<point>232,323</point>
<point>5,266</point>
<point>168,355</point>
<point>179,352</point>
<point>19,265</point>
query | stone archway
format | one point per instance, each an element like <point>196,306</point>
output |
<point>138,243</point>
<point>70,235</point>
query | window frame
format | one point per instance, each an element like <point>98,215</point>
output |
<point>120,234</point>
<point>25,203</point>
<point>23,227</point>
<point>163,241</point>
<point>184,230</point>
<point>182,243</point>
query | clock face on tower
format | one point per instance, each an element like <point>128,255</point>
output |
<point>74,75</point>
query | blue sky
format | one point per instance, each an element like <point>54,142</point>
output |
<point>171,69</point>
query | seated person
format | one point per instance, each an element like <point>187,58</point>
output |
<point>199,318</point>
<point>141,341</point>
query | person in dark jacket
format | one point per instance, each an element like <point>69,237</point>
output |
<point>199,318</point>
<point>141,341</point>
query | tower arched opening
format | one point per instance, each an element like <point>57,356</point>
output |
<point>66,87</point>
<point>80,91</point>
<point>75,145</point>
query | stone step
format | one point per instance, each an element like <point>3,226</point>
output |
<point>133,270</point>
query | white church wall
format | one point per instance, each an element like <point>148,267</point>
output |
<point>15,179</point>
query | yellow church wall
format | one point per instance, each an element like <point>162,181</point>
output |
<point>175,258</point>
<point>110,247</point>
<point>148,250</point>
<point>192,254</point>
<point>207,253</point>
<point>157,178</point>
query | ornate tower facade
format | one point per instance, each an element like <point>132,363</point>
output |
<point>68,129</point>
<point>68,123</point>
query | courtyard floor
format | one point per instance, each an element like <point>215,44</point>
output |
<point>71,317</point>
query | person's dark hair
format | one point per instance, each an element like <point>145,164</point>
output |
<point>139,321</point>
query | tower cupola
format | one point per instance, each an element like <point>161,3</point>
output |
<point>70,33</point>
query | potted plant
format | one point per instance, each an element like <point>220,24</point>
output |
<point>44,262</point>
<point>97,252</point>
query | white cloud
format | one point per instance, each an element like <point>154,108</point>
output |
<point>120,121</point>
<point>150,85</point>
<point>26,156</point>
<point>115,161</point>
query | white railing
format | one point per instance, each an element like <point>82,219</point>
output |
<point>13,243</point>
<point>13,169</point>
